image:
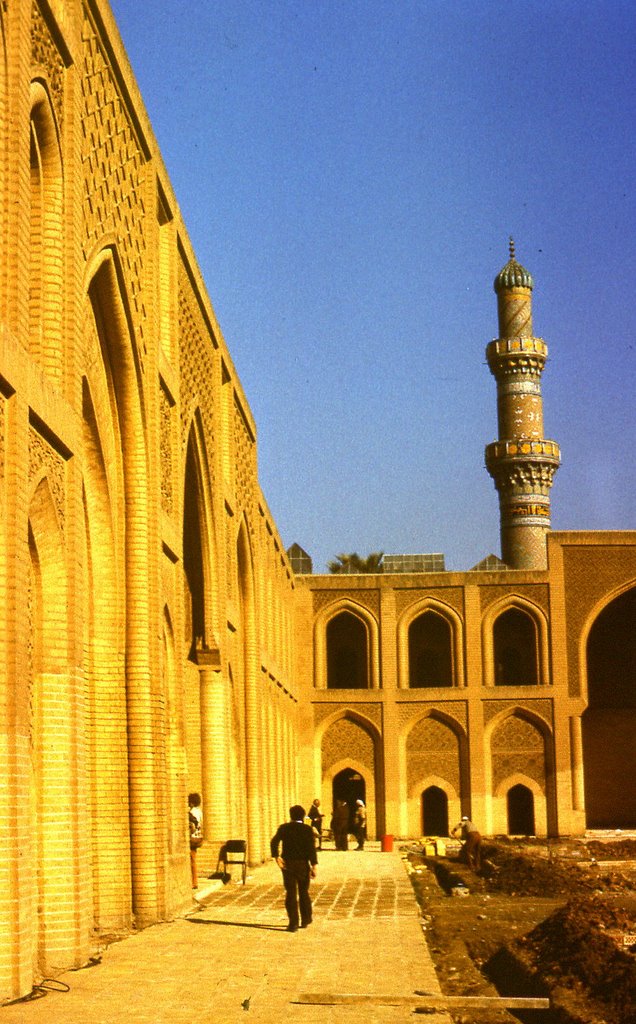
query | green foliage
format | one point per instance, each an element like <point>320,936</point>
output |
<point>353,563</point>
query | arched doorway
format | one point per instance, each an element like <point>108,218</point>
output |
<point>350,786</point>
<point>609,722</point>
<point>520,803</point>
<point>434,812</point>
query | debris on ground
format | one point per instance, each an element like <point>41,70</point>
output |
<point>542,917</point>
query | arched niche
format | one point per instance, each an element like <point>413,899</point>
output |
<point>46,194</point>
<point>199,547</point>
<point>516,610</point>
<point>366,621</point>
<point>452,623</point>
<point>434,753</point>
<point>520,748</point>
<point>520,804</point>
<point>51,717</point>
<point>609,721</point>
<point>350,743</point>
<point>120,356</point>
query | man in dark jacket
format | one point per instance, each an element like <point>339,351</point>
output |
<point>298,862</point>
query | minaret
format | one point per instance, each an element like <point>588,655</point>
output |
<point>521,462</point>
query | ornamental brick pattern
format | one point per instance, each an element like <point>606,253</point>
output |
<point>153,638</point>
<point>111,360</point>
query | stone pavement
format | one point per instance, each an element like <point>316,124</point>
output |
<point>231,960</point>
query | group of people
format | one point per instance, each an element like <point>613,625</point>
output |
<point>295,845</point>
<point>341,825</point>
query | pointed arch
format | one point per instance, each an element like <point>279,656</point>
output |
<point>106,294</point>
<point>248,656</point>
<point>538,620</point>
<point>349,741</point>
<point>592,618</point>
<point>456,641</point>
<point>520,748</point>
<point>175,734</point>
<point>104,661</point>
<point>356,715</point>
<point>45,242</point>
<point>53,841</point>
<point>361,614</point>
<point>608,722</point>
<point>199,546</point>
<point>433,749</point>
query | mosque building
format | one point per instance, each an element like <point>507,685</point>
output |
<point>158,639</point>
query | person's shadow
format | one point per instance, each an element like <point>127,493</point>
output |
<point>239,924</point>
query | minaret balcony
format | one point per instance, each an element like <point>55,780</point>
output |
<point>516,356</point>
<point>523,466</point>
<point>523,448</point>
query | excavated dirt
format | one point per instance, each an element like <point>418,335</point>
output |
<point>541,918</point>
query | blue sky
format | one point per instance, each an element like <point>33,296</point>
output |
<point>349,174</point>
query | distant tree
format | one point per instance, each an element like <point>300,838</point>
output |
<point>353,563</point>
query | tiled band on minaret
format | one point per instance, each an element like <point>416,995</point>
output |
<point>521,462</point>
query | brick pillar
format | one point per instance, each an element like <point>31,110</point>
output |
<point>215,767</point>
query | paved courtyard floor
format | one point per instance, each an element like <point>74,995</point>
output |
<point>231,959</point>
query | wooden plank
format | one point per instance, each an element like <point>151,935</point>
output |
<point>426,1000</point>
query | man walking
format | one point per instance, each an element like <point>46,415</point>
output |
<point>297,861</point>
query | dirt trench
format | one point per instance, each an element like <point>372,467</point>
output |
<point>539,919</point>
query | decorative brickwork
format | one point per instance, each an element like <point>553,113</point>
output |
<point>244,458</point>
<point>345,740</point>
<point>371,711</point>
<point>591,574</point>
<point>543,708</point>
<point>44,460</point>
<point>452,596</point>
<point>517,747</point>
<point>151,649</point>
<point>455,709</point>
<point>369,599</point>
<point>537,594</point>
<point>166,405</point>
<point>96,593</point>
<point>432,748</point>
<point>196,364</point>
<point>46,56</point>
<point>114,173</point>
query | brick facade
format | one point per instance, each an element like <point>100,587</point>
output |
<point>153,637</point>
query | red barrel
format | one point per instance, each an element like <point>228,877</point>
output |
<point>387,844</point>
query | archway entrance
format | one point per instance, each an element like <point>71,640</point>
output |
<point>609,722</point>
<point>520,801</point>
<point>434,812</point>
<point>349,785</point>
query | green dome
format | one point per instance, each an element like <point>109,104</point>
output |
<point>513,275</point>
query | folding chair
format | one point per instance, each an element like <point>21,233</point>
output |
<point>234,851</point>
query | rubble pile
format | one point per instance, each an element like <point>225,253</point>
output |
<point>579,952</point>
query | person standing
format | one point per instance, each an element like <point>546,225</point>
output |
<point>298,861</point>
<point>340,825</point>
<point>195,822</point>
<point>315,818</point>
<point>472,841</point>
<point>360,824</point>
